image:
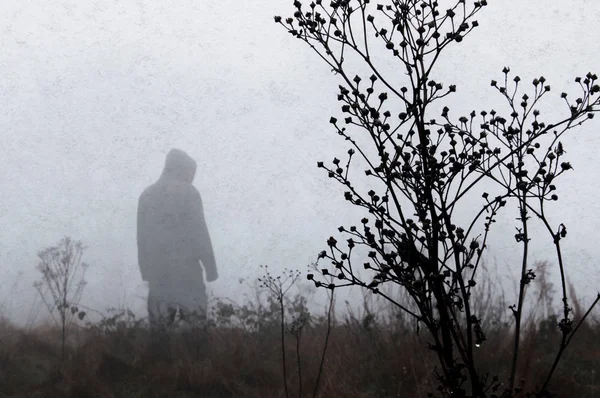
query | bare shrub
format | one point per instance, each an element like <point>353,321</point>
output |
<point>409,167</point>
<point>62,283</point>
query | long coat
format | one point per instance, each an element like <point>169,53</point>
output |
<point>172,235</point>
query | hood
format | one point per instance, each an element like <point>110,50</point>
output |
<point>179,166</point>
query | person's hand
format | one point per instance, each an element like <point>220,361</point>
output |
<point>212,276</point>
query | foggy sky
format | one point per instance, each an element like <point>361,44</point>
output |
<point>93,95</point>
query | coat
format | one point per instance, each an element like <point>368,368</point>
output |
<point>172,235</point>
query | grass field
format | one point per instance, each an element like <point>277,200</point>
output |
<point>372,352</point>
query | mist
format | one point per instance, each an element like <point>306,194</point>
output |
<point>93,95</point>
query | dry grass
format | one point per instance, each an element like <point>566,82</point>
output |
<point>369,356</point>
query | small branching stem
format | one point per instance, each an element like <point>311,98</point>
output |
<point>325,344</point>
<point>282,330</point>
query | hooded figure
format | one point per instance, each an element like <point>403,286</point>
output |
<point>173,240</point>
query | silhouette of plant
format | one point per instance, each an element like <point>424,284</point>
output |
<point>260,314</point>
<point>296,328</point>
<point>279,286</point>
<point>420,165</point>
<point>62,283</point>
<point>328,323</point>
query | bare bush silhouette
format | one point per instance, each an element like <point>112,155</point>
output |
<point>62,283</point>
<point>278,286</point>
<point>421,164</point>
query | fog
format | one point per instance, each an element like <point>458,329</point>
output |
<point>94,94</point>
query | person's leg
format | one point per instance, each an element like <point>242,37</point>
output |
<point>193,311</point>
<point>156,349</point>
<point>161,315</point>
<point>153,307</point>
<point>161,310</point>
<point>193,301</point>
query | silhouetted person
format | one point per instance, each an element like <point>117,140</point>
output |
<point>172,240</point>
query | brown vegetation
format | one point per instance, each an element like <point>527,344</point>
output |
<point>374,352</point>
